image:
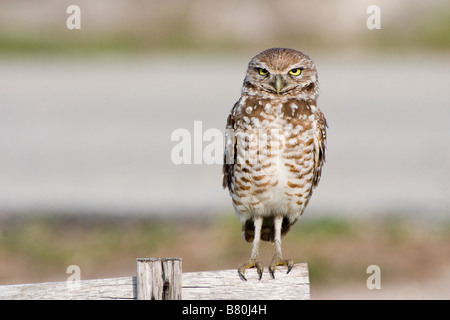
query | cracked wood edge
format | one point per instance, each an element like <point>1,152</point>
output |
<point>158,279</point>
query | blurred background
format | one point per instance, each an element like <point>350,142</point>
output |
<point>86,118</point>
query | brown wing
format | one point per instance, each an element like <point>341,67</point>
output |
<point>229,155</point>
<point>320,145</point>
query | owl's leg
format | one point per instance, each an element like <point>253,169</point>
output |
<point>277,259</point>
<point>254,261</point>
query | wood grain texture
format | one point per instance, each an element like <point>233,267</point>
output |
<point>204,285</point>
<point>158,279</point>
<point>226,284</point>
<point>98,289</point>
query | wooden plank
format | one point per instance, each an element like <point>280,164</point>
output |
<point>97,289</point>
<point>205,285</point>
<point>226,284</point>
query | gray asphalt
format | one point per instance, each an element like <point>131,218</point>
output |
<point>94,135</point>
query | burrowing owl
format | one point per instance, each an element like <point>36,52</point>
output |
<point>275,148</point>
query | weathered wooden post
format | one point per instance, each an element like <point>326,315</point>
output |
<point>158,279</point>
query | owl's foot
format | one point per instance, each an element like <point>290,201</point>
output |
<point>252,263</point>
<point>277,259</point>
<point>280,262</point>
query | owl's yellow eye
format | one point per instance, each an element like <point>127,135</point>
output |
<point>262,71</point>
<point>295,72</point>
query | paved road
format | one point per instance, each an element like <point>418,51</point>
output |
<point>95,135</point>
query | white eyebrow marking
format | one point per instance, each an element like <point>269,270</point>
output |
<point>279,58</point>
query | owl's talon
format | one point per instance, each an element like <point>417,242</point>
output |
<point>290,267</point>
<point>251,264</point>
<point>260,272</point>
<point>280,262</point>
<point>272,272</point>
<point>241,275</point>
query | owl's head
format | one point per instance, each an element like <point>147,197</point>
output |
<point>282,71</point>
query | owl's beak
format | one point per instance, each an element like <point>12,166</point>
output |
<point>279,83</point>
